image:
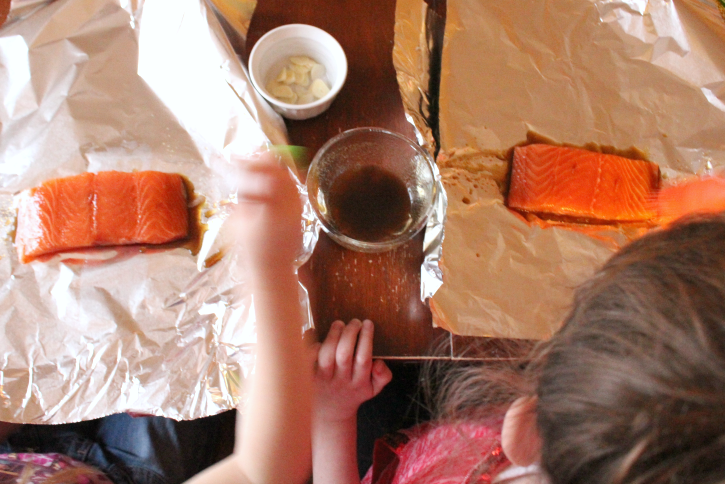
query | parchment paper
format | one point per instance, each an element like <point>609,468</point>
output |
<point>91,85</point>
<point>644,74</point>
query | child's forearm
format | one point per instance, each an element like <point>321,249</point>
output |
<point>227,471</point>
<point>275,440</point>
<point>334,452</point>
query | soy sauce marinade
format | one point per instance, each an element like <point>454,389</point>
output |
<point>369,204</point>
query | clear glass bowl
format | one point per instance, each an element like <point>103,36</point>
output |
<point>371,189</point>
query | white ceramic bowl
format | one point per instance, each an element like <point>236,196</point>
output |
<point>272,52</point>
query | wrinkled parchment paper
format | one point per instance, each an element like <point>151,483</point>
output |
<point>644,74</point>
<point>91,85</point>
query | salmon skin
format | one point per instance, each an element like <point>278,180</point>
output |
<point>108,208</point>
<point>584,185</point>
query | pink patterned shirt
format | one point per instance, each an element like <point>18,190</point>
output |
<point>439,454</point>
<point>47,469</point>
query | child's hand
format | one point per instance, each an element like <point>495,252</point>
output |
<point>346,375</point>
<point>701,195</point>
<point>267,220</point>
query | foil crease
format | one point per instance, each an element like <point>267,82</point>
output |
<point>623,73</point>
<point>92,85</point>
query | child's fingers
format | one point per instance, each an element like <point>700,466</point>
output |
<point>263,162</point>
<point>381,376</point>
<point>346,348</point>
<point>258,176</point>
<point>364,353</point>
<point>698,195</point>
<point>258,159</point>
<point>254,188</point>
<point>261,182</point>
<point>328,349</point>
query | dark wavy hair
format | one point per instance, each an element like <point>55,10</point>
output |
<point>632,388</point>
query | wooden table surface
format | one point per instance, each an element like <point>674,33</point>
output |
<point>344,284</point>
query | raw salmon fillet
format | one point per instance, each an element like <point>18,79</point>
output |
<point>108,208</point>
<point>582,184</point>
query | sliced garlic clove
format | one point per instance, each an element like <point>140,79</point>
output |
<point>282,91</point>
<point>271,85</point>
<point>282,75</point>
<point>296,68</point>
<point>300,81</point>
<point>317,71</point>
<point>299,90</point>
<point>303,79</point>
<point>302,60</point>
<point>306,98</point>
<point>319,89</point>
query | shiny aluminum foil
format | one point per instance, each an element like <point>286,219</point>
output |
<point>648,74</point>
<point>418,33</point>
<point>93,85</point>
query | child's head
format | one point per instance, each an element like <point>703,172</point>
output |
<point>632,389</point>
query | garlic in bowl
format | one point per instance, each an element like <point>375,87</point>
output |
<point>301,81</point>
<point>298,69</point>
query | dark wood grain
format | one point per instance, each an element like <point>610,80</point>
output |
<point>344,284</point>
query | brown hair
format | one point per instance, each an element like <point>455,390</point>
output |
<point>632,388</point>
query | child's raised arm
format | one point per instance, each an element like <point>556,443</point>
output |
<point>273,434</point>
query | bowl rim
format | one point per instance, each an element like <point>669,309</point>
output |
<point>334,90</point>
<point>359,245</point>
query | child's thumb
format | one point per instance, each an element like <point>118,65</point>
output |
<point>381,376</point>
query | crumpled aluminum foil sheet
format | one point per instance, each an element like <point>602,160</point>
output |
<point>418,31</point>
<point>625,73</point>
<point>91,85</point>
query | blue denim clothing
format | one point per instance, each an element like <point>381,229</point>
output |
<point>131,450</point>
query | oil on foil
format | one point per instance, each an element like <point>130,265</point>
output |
<point>92,85</point>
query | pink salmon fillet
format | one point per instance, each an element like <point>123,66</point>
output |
<point>108,208</point>
<point>582,184</point>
